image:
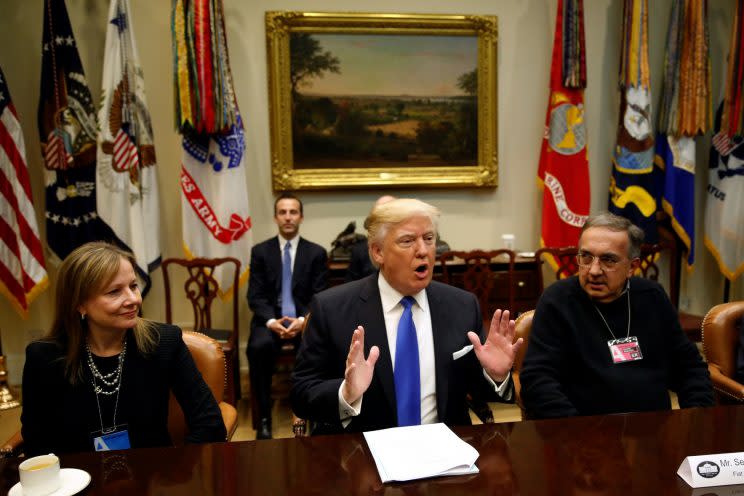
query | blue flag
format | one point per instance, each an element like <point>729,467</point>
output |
<point>632,193</point>
<point>676,157</point>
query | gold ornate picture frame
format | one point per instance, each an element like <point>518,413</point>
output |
<point>382,100</point>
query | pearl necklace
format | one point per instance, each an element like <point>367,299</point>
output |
<point>111,382</point>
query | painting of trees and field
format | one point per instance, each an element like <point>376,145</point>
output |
<point>383,100</point>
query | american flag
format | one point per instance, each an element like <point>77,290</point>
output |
<point>722,143</point>
<point>22,272</point>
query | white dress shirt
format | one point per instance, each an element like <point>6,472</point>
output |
<point>393,310</point>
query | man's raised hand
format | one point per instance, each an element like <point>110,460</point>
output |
<point>359,371</point>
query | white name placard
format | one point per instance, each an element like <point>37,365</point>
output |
<point>722,469</point>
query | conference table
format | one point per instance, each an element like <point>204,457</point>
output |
<point>626,454</point>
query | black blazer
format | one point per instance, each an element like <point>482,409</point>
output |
<point>335,315</point>
<point>59,417</point>
<point>309,276</point>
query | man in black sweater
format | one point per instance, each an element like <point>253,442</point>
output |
<point>606,342</point>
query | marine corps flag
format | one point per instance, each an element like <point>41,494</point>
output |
<point>632,193</point>
<point>22,272</point>
<point>563,173</point>
<point>214,189</point>
<point>67,130</point>
<point>126,178</point>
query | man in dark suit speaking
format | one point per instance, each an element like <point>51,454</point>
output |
<point>286,271</point>
<point>422,356</point>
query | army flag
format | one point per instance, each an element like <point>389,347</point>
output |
<point>126,178</point>
<point>22,268</point>
<point>724,203</point>
<point>67,130</point>
<point>214,187</point>
<point>632,194</point>
<point>563,173</point>
<point>684,113</point>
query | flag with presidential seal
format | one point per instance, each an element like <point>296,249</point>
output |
<point>126,177</point>
<point>563,172</point>
<point>67,130</point>
<point>214,188</point>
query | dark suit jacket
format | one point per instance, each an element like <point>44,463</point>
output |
<point>359,265</point>
<point>336,313</point>
<point>309,276</point>
<point>58,417</point>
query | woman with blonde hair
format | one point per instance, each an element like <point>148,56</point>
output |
<point>102,376</point>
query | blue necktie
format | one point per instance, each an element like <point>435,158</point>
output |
<point>288,305</point>
<point>407,372</point>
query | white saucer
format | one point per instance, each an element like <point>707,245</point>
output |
<point>73,481</point>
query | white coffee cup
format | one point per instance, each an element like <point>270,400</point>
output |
<point>40,475</point>
<point>508,241</point>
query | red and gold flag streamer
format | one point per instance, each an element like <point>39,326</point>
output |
<point>204,98</point>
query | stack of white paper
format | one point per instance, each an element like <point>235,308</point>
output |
<point>417,452</point>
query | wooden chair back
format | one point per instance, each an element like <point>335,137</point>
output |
<point>562,261</point>
<point>475,270</point>
<point>650,255</point>
<point>201,289</point>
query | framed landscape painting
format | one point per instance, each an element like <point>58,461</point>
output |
<point>380,100</point>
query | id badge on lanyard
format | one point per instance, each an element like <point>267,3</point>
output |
<point>625,349</point>
<point>116,439</point>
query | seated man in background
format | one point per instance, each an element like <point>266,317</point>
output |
<point>286,271</point>
<point>606,342</point>
<point>360,265</point>
<point>423,356</point>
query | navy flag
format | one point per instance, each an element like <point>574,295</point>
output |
<point>632,193</point>
<point>67,129</point>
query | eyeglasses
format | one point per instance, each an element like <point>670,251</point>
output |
<point>606,262</point>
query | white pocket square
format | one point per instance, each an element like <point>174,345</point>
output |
<point>462,352</point>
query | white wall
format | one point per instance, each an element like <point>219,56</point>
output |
<point>472,218</point>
